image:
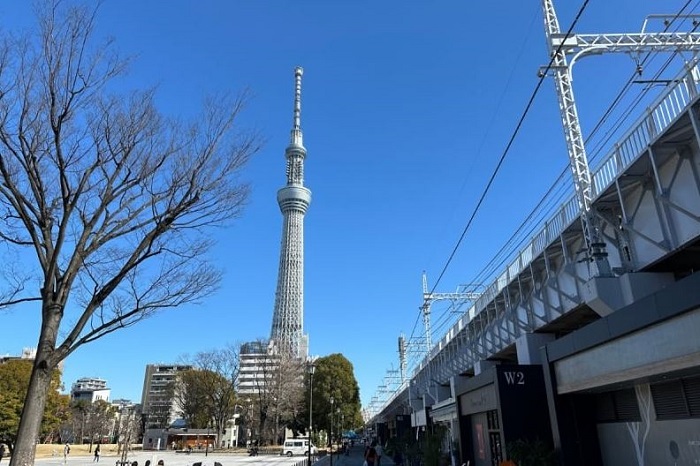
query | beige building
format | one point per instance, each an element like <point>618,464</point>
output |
<point>157,399</point>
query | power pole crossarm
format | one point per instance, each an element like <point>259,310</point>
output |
<point>471,296</point>
<point>428,298</point>
<point>640,42</point>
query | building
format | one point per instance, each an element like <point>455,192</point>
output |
<point>158,397</point>
<point>127,421</point>
<point>293,199</point>
<point>27,354</point>
<point>231,435</point>
<point>90,390</point>
<point>257,362</point>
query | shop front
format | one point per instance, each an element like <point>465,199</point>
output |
<point>500,406</point>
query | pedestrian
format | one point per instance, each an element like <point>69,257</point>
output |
<point>66,452</point>
<point>380,451</point>
<point>2,451</point>
<point>398,457</point>
<point>97,454</point>
<point>370,455</point>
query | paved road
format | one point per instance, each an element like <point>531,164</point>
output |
<point>354,458</point>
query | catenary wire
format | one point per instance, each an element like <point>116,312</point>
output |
<point>521,120</point>
<point>502,158</point>
<point>516,240</point>
<point>536,209</point>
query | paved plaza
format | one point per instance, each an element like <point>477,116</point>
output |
<point>170,458</point>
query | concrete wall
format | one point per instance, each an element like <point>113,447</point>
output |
<point>619,442</point>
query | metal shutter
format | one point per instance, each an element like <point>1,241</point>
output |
<point>626,406</point>
<point>691,387</point>
<point>669,400</point>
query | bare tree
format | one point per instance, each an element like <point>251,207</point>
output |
<point>278,392</point>
<point>288,389</point>
<point>113,200</point>
<point>100,420</point>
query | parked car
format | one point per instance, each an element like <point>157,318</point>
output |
<point>298,446</point>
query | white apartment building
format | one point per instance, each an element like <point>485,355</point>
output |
<point>90,389</point>
<point>257,362</point>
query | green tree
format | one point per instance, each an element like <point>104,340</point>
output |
<point>113,201</point>
<point>192,399</point>
<point>335,377</point>
<point>14,382</point>
<point>79,415</point>
<point>219,369</point>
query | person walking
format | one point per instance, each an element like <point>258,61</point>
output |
<point>370,455</point>
<point>2,451</point>
<point>380,452</point>
<point>66,452</point>
<point>398,457</point>
<point>97,454</point>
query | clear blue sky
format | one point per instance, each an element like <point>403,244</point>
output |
<point>406,107</point>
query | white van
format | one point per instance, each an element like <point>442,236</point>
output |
<point>298,446</point>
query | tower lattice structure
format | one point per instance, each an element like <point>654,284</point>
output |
<point>294,199</point>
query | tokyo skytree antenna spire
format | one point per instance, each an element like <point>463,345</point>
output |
<point>288,318</point>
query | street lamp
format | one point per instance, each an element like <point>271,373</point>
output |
<point>311,368</point>
<point>338,427</point>
<point>330,436</point>
<point>206,447</point>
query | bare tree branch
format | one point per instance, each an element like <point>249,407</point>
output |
<point>114,200</point>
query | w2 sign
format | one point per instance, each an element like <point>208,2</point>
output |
<point>514,377</point>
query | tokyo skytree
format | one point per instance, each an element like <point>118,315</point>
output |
<point>288,319</point>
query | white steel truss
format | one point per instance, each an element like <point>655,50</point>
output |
<point>578,45</point>
<point>460,296</point>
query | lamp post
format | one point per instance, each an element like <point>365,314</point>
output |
<point>206,447</point>
<point>311,368</point>
<point>338,427</point>
<point>330,436</point>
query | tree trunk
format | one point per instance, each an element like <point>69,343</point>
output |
<point>32,413</point>
<point>39,385</point>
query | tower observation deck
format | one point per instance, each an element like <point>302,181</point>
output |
<point>294,199</point>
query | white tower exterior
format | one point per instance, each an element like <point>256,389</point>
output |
<point>288,320</point>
